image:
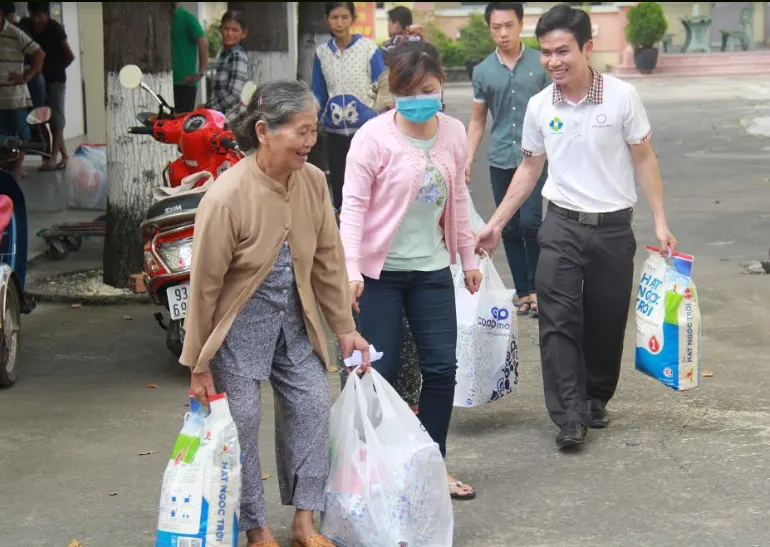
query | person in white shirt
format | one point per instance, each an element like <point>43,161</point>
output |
<point>594,131</point>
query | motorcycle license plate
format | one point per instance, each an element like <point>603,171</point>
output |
<point>177,300</point>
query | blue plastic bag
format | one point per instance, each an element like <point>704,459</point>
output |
<point>668,322</point>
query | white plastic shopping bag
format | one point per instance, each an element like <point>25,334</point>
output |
<point>487,340</point>
<point>387,485</point>
<point>201,493</point>
<point>668,325</point>
<point>86,177</point>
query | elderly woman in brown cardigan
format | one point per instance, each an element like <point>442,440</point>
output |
<point>266,257</point>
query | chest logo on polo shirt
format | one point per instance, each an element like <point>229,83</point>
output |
<point>601,122</point>
<point>556,126</point>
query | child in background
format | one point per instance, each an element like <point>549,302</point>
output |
<point>400,30</point>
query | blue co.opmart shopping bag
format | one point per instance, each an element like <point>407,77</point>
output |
<point>668,323</point>
<point>201,493</point>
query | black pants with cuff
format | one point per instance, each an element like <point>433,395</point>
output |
<point>584,281</point>
<point>337,147</point>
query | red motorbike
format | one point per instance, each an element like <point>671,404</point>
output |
<point>207,145</point>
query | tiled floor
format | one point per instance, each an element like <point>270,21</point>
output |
<point>46,196</point>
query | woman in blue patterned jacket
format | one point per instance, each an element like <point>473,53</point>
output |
<point>344,70</point>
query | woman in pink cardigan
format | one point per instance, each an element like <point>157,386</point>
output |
<point>404,221</point>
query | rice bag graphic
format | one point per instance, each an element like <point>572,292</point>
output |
<point>668,322</point>
<point>200,496</point>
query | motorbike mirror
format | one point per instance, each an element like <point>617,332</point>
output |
<point>39,115</point>
<point>248,92</point>
<point>145,118</point>
<point>130,76</point>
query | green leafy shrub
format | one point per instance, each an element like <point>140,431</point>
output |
<point>475,41</point>
<point>531,43</point>
<point>214,38</point>
<point>474,44</point>
<point>647,25</point>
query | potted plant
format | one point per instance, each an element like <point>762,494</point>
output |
<point>646,27</point>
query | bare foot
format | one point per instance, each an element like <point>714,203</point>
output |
<point>303,527</point>
<point>260,535</point>
<point>522,305</point>
<point>459,490</point>
<point>533,308</point>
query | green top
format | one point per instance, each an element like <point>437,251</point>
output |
<point>506,93</point>
<point>419,241</point>
<point>185,32</point>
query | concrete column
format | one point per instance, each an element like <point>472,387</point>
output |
<point>92,65</point>
<point>292,19</point>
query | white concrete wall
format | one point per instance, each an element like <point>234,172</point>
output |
<point>73,105</point>
<point>92,63</point>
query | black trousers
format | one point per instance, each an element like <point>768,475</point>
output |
<point>184,97</point>
<point>584,282</point>
<point>337,147</point>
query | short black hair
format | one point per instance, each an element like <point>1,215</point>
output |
<point>515,7</point>
<point>401,15</point>
<point>39,7</point>
<point>7,8</point>
<point>566,18</point>
<point>331,6</point>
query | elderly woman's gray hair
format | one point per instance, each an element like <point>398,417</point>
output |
<point>274,103</point>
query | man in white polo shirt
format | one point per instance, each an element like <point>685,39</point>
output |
<point>595,133</point>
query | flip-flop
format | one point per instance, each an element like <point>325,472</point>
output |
<point>533,309</point>
<point>61,165</point>
<point>466,497</point>
<point>519,305</point>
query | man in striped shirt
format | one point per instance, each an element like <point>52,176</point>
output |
<point>15,99</point>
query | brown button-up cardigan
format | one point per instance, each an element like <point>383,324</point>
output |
<point>240,226</point>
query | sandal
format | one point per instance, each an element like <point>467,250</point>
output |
<point>313,540</point>
<point>519,305</point>
<point>455,496</point>
<point>533,309</point>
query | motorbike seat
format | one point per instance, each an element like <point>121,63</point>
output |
<point>6,214</point>
<point>175,204</point>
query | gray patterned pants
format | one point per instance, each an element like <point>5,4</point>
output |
<point>302,404</point>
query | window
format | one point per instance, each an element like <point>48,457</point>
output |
<point>56,11</point>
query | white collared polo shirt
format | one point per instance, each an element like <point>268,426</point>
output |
<point>589,162</point>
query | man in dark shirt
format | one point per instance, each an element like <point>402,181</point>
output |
<point>58,56</point>
<point>36,85</point>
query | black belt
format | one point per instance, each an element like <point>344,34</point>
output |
<point>624,216</point>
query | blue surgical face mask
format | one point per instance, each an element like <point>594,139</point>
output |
<point>418,108</point>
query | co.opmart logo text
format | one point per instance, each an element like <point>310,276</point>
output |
<point>498,320</point>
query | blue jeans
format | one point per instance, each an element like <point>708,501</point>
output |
<point>520,235</point>
<point>13,123</point>
<point>428,298</point>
